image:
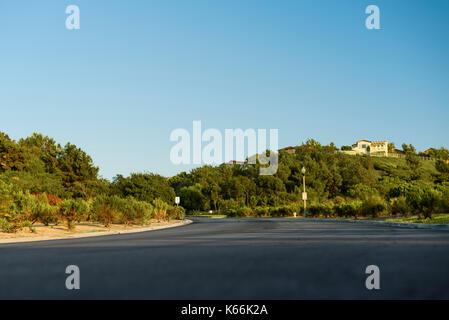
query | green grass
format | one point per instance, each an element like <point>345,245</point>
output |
<point>441,218</point>
<point>438,218</point>
<point>398,167</point>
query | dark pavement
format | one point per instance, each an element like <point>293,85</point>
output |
<point>234,259</point>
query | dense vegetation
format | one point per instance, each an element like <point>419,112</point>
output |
<point>43,182</point>
<point>337,184</point>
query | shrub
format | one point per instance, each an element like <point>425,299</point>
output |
<point>362,192</point>
<point>160,209</point>
<point>177,212</point>
<point>261,211</point>
<point>430,202</point>
<point>7,226</point>
<point>283,211</point>
<point>324,208</point>
<point>72,210</point>
<point>425,201</point>
<point>29,225</point>
<point>20,207</point>
<point>240,212</point>
<point>43,211</point>
<point>143,211</point>
<point>399,206</point>
<point>373,207</point>
<point>113,209</point>
<point>226,206</point>
<point>102,209</point>
<point>444,189</point>
<point>348,209</point>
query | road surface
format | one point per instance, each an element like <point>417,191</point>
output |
<point>234,259</point>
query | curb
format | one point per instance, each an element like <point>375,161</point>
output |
<point>385,223</point>
<point>95,234</point>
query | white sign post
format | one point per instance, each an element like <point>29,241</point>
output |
<point>177,200</point>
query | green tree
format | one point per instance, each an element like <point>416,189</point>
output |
<point>77,170</point>
<point>144,187</point>
<point>412,159</point>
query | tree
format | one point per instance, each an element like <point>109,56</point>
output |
<point>44,149</point>
<point>411,158</point>
<point>72,210</point>
<point>77,169</point>
<point>11,157</point>
<point>144,187</point>
<point>391,147</point>
<point>192,198</point>
<point>441,153</point>
<point>442,166</point>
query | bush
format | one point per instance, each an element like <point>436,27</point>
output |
<point>72,210</point>
<point>444,189</point>
<point>240,212</point>
<point>43,211</point>
<point>399,206</point>
<point>102,209</point>
<point>425,201</point>
<point>143,211</point>
<point>325,208</point>
<point>113,209</point>
<point>283,211</point>
<point>226,206</point>
<point>362,192</point>
<point>7,226</point>
<point>177,213</point>
<point>262,211</point>
<point>373,207</point>
<point>348,209</point>
<point>20,209</point>
<point>29,225</point>
<point>430,202</point>
<point>160,209</point>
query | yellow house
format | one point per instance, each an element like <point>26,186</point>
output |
<point>371,147</point>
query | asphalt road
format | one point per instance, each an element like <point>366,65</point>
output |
<point>234,259</point>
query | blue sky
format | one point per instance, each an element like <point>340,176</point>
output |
<point>136,70</point>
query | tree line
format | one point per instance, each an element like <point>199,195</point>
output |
<point>44,182</point>
<point>337,184</point>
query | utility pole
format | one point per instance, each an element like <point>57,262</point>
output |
<point>304,194</point>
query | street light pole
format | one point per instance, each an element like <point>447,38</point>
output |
<point>304,195</point>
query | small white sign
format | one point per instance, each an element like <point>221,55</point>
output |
<point>177,200</point>
<point>304,196</point>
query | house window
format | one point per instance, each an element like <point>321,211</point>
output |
<point>364,146</point>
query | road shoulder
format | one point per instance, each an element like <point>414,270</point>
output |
<point>95,234</point>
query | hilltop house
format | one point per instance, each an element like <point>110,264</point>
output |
<point>372,147</point>
<point>291,150</point>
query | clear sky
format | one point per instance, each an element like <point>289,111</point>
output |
<point>136,70</point>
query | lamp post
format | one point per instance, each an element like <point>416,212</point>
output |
<point>304,194</point>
